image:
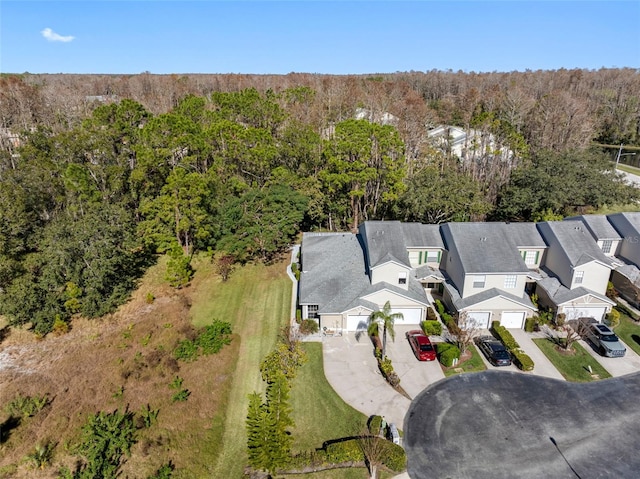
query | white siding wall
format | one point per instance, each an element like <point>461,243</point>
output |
<point>418,257</point>
<point>493,281</point>
<point>630,249</point>
<point>558,262</point>
<point>389,272</point>
<point>596,277</point>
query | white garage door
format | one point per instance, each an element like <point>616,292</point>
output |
<point>513,320</point>
<point>479,319</point>
<point>409,315</point>
<point>357,322</point>
<point>575,312</point>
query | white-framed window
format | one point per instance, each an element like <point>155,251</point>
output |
<point>312,311</point>
<point>606,246</point>
<point>530,258</point>
<point>478,281</point>
<point>433,256</point>
<point>510,281</point>
<point>578,278</point>
<point>402,278</point>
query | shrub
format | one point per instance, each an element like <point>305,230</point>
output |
<point>386,368</point>
<point>505,336</point>
<point>439,307</point>
<point>447,352</point>
<point>298,315</point>
<point>560,319</point>
<point>296,270</point>
<point>27,406</point>
<point>210,340</point>
<point>344,451</point>
<point>522,360</point>
<point>395,458</point>
<point>529,324</point>
<point>611,291</point>
<point>309,326</point>
<point>448,320</point>
<point>60,326</point>
<point>613,318</point>
<point>150,298</point>
<point>431,315</point>
<point>375,423</point>
<point>432,328</point>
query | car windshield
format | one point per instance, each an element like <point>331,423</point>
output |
<point>426,347</point>
<point>501,354</point>
<point>609,337</point>
<point>497,347</point>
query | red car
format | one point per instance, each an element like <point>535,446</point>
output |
<point>422,347</point>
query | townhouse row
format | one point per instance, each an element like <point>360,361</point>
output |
<point>486,271</point>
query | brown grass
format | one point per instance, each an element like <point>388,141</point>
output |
<point>124,360</point>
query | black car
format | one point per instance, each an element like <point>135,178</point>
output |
<point>494,351</point>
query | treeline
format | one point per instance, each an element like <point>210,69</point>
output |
<point>86,207</point>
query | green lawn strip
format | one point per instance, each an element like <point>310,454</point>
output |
<point>629,332</point>
<point>629,169</point>
<point>471,365</point>
<point>318,412</point>
<point>256,301</point>
<point>572,367</point>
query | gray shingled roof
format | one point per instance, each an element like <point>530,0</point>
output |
<point>575,241</point>
<point>485,247</point>
<point>560,294</point>
<point>598,225</point>
<point>418,235</point>
<point>627,224</point>
<point>525,235</point>
<point>333,274</point>
<point>485,295</point>
<point>384,241</point>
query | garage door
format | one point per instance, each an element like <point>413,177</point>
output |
<point>479,319</point>
<point>513,320</point>
<point>575,312</point>
<point>357,322</point>
<point>409,315</point>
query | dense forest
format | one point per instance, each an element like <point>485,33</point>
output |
<point>100,173</point>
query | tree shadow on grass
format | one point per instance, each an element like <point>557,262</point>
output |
<point>636,338</point>
<point>7,427</point>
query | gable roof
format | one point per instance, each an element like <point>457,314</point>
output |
<point>525,235</point>
<point>384,242</point>
<point>598,225</point>
<point>484,247</point>
<point>560,294</point>
<point>575,241</point>
<point>418,235</point>
<point>627,224</point>
<point>486,295</point>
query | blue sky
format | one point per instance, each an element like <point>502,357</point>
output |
<point>336,37</point>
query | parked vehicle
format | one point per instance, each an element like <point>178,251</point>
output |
<point>421,345</point>
<point>494,351</point>
<point>602,337</point>
<point>393,434</point>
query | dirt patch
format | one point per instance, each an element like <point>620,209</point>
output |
<point>121,361</point>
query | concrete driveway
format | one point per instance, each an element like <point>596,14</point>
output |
<point>628,364</point>
<point>541,365</point>
<point>414,375</point>
<point>352,370</point>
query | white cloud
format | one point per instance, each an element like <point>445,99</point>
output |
<point>52,36</point>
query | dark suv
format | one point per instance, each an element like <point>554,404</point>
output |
<point>603,339</point>
<point>494,351</point>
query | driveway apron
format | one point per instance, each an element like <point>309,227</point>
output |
<point>628,364</point>
<point>542,366</point>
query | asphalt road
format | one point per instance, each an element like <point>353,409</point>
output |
<point>499,424</point>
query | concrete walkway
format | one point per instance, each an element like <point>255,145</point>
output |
<point>541,365</point>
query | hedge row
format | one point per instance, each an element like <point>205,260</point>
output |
<point>432,328</point>
<point>447,352</point>
<point>350,451</point>
<point>521,359</point>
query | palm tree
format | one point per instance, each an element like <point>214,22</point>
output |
<point>384,318</point>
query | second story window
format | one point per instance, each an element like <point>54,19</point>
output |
<point>530,258</point>
<point>510,281</point>
<point>402,278</point>
<point>578,277</point>
<point>478,281</point>
<point>606,246</point>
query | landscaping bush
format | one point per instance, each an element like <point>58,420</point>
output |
<point>431,315</point>
<point>432,328</point>
<point>386,368</point>
<point>613,318</point>
<point>344,451</point>
<point>296,270</point>
<point>439,307</point>
<point>309,326</point>
<point>530,324</point>
<point>627,311</point>
<point>611,291</point>
<point>560,319</point>
<point>375,423</point>
<point>395,457</point>
<point>447,352</point>
<point>448,320</point>
<point>522,360</point>
<point>505,336</point>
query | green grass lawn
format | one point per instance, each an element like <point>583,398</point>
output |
<point>256,300</point>
<point>471,365</point>
<point>629,332</point>
<point>572,367</point>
